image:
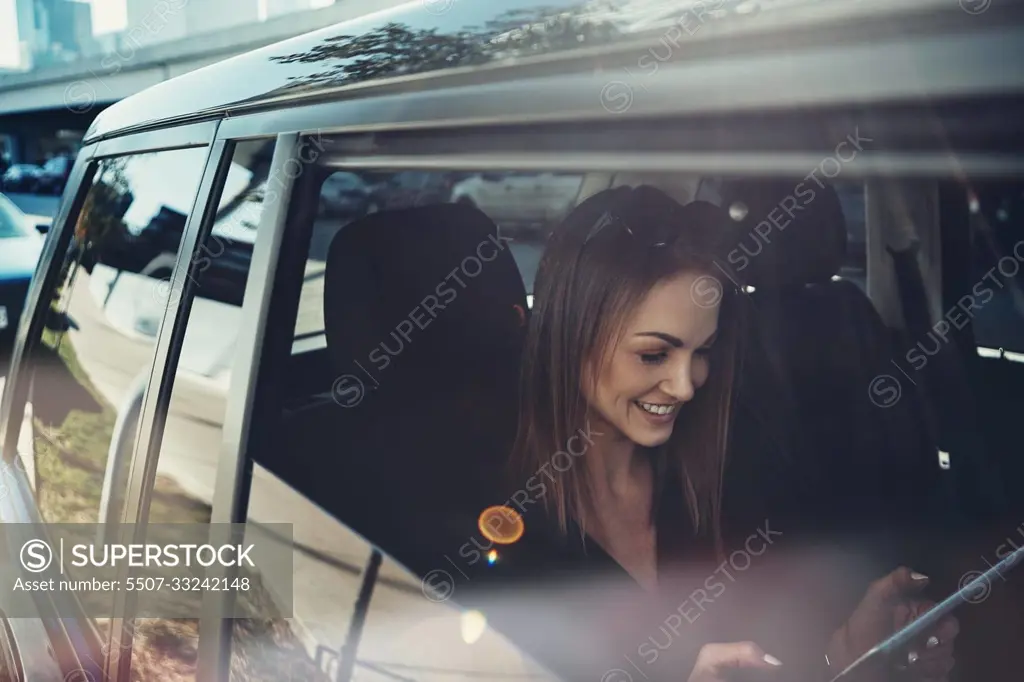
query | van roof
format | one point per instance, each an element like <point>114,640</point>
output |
<point>423,40</point>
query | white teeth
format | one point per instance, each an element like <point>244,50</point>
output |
<point>657,409</point>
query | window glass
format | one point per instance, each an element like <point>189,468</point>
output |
<point>90,369</point>
<point>997,235</point>
<point>100,333</point>
<point>191,444</point>
<point>823,382</point>
<point>524,206</point>
<point>851,196</point>
<point>405,635</point>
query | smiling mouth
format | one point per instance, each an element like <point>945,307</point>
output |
<point>657,409</point>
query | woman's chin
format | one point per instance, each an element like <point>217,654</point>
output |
<point>651,438</point>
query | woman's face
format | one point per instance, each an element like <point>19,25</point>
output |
<point>659,362</point>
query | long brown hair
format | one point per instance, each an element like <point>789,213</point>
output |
<point>598,267</point>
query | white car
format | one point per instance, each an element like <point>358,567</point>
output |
<point>20,247</point>
<point>515,201</point>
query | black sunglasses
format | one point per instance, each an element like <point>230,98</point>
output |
<point>655,234</point>
<point>662,233</point>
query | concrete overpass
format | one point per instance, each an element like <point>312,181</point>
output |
<point>36,104</point>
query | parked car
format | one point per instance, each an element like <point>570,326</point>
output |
<point>21,177</point>
<point>54,175</point>
<point>405,189</point>
<point>346,195</point>
<point>20,248</point>
<point>518,200</point>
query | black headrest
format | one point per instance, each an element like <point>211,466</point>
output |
<point>789,233</point>
<point>419,289</point>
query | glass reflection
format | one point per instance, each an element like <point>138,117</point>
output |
<point>89,371</point>
<point>191,444</point>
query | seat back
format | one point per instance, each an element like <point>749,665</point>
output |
<point>860,447</point>
<point>424,315</point>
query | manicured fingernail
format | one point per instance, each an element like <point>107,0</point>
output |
<point>932,642</point>
<point>912,657</point>
<point>771,660</point>
<point>914,575</point>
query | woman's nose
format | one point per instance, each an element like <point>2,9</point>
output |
<point>679,384</point>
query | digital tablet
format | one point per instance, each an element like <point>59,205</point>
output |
<point>915,630</point>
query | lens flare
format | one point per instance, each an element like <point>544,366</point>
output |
<point>473,624</point>
<point>501,524</point>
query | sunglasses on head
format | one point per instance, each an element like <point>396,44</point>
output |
<point>655,234</point>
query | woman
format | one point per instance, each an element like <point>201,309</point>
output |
<point>634,336</point>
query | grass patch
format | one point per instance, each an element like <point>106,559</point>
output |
<point>71,457</point>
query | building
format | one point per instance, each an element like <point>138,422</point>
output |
<point>154,21</point>
<point>278,7</point>
<point>53,31</point>
<point>25,13</point>
<point>149,23</point>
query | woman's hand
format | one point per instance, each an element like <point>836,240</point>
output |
<point>715,661</point>
<point>930,660</point>
<point>889,604</point>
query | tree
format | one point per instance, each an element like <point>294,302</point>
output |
<point>397,49</point>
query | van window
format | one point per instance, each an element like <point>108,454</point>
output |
<point>524,205</point>
<point>852,197</point>
<point>395,426</point>
<point>97,346</point>
<point>91,366</point>
<point>405,635</point>
<point>193,432</point>
<point>997,235</point>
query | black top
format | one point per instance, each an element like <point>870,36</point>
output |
<point>791,574</point>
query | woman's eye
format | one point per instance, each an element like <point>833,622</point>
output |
<point>653,358</point>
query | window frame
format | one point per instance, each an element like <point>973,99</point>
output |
<point>230,491</point>
<point>74,639</point>
<point>500,141</point>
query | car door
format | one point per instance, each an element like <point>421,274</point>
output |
<point>80,369</point>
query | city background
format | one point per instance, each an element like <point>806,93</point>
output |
<point>64,61</point>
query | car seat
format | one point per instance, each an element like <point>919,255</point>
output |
<point>424,312</point>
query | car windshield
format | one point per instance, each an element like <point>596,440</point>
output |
<point>11,220</point>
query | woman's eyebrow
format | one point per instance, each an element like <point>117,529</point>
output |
<point>667,338</point>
